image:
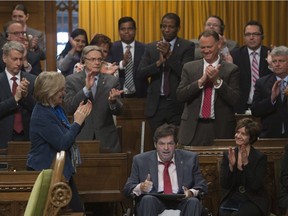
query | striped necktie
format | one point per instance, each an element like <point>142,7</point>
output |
<point>254,69</point>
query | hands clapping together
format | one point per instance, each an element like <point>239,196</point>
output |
<point>82,112</point>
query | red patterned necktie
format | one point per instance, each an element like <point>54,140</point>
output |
<point>206,106</point>
<point>254,69</point>
<point>18,125</point>
<point>166,178</point>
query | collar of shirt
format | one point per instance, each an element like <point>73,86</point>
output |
<point>214,64</point>
<point>286,78</point>
<point>251,51</point>
<point>9,76</point>
<point>160,161</point>
<point>172,43</point>
<point>124,45</point>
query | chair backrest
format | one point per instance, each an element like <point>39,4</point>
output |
<point>50,193</point>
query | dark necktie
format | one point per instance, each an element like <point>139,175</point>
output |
<point>166,178</point>
<point>18,124</point>
<point>166,82</point>
<point>206,107</point>
<point>129,84</point>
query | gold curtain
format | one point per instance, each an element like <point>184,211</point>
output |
<point>102,17</point>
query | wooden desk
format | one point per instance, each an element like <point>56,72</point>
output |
<point>15,189</point>
<point>210,158</point>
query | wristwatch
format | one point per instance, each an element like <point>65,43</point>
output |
<point>218,81</point>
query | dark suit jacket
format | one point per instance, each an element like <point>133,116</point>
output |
<point>49,136</point>
<point>242,60</point>
<point>187,167</point>
<point>272,116</point>
<point>225,98</point>
<point>183,52</point>
<point>8,107</point>
<point>99,124</point>
<point>253,180</point>
<point>116,55</point>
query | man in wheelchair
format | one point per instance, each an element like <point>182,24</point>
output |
<point>166,178</point>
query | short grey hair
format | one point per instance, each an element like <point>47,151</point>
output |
<point>88,49</point>
<point>13,45</point>
<point>279,51</point>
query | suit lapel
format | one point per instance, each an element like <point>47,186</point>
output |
<point>153,169</point>
<point>180,170</point>
<point>6,87</point>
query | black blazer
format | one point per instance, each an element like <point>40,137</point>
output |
<point>116,55</point>
<point>8,107</point>
<point>242,60</point>
<point>254,178</point>
<point>183,52</point>
<point>272,116</point>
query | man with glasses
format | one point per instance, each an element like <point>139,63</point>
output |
<point>250,70</point>
<point>216,24</point>
<point>162,62</point>
<point>14,31</point>
<point>270,101</point>
<point>102,90</point>
<point>120,53</point>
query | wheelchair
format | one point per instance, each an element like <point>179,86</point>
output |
<point>132,211</point>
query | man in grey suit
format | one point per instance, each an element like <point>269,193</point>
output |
<point>217,24</point>
<point>102,90</point>
<point>162,62</point>
<point>147,179</point>
<point>208,116</point>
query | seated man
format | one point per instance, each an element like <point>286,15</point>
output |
<point>150,175</point>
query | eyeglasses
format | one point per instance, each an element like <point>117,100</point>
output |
<point>18,33</point>
<point>212,25</point>
<point>254,34</point>
<point>94,59</point>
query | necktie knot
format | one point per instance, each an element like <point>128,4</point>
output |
<point>14,78</point>
<point>166,163</point>
<point>254,54</point>
<point>128,46</point>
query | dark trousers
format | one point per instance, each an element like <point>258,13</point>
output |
<point>151,205</point>
<point>167,112</point>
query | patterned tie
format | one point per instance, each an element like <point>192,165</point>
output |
<point>166,178</point>
<point>94,87</point>
<point>206,106</point>
<point>129,83</point>
<point>254,69</point>
<point>18,125</point>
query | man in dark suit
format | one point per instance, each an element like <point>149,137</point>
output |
<point>119,54</point>
<point>243,57</point>
<point>147,177</point>
<point>269,101</point>
<point>162,63</point>
<point>202,122</point>
<point>22,102</point>
<point>102,90</point>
